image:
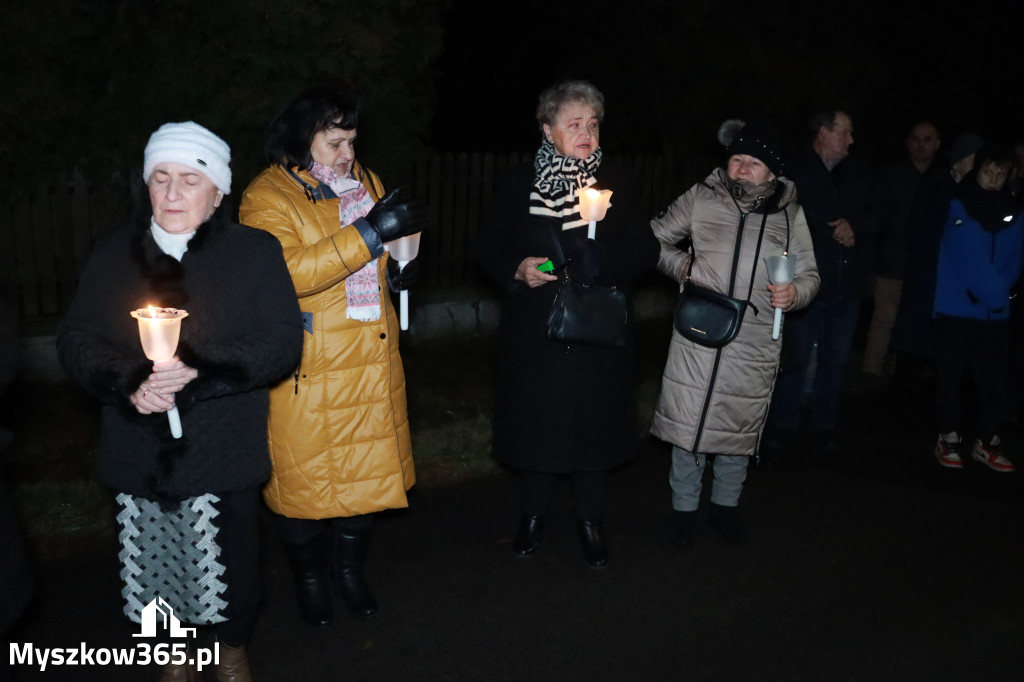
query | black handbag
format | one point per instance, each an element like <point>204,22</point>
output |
<point>710,318</point>
<point>587,313</point>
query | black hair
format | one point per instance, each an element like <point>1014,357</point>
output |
<point>924,122</point>
<point>291,133</point>
<point>992,153</point>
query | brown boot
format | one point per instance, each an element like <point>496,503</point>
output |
<point>182,672</point>
<point>233,665</point>
<point>174,672</point>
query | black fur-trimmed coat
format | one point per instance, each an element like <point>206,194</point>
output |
<point>243,333</point>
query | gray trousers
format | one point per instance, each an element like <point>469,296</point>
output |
<point>730,472</point>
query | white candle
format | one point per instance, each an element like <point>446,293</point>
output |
<point>593,207</point>
<point>780,271</point>
<point>404,250</point>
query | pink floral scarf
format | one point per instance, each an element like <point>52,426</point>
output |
<point>362,290</point>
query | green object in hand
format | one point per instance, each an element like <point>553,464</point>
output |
<point>546,266</point>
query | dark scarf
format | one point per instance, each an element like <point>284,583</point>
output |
<point>994,211</point>
<point>557,182</point>
<point>749,196</point>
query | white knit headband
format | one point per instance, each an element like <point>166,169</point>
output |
<point>192,145</point>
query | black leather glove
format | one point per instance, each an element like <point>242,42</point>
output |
<point>405,278</point>
<point>393,218</point>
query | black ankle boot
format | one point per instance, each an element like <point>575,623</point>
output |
<point>727,521</point>
<point>684,528</point>
<point>310,569</point>
<point>595,551</point>
<point>531,528</point>
<point>350,550</point>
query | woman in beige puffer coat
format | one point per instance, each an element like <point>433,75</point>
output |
<point>715,401</point>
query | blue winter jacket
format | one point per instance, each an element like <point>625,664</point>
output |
<point>977,268</point>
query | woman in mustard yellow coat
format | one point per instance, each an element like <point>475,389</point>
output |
<point>339,431</point>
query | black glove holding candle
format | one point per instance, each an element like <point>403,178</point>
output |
<point>404,279</point>
<point>392,218</point>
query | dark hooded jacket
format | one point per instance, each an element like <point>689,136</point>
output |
<point>980,255</point>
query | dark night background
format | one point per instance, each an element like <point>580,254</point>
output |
<point>672,71</point>
<point>85,83</point>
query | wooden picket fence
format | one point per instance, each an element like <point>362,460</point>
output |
<point>46,238</point>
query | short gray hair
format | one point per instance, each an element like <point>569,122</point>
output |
<point>823,117</point>
<point>554,98</point>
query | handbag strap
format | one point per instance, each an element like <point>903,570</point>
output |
<point>558,246</point>
<point>736,253</point>
<point>561,256</point>
<point>757,257</point>
<point>785,251</point>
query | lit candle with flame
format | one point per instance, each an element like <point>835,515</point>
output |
<point>159,329</point>
<point>593,206</point>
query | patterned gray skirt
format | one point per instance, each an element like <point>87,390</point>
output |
<point>173,555</point>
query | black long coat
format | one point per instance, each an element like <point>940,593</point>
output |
<point>562,407</point>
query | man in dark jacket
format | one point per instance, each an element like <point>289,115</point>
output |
<point>899,183</point>
<point>839,198</point>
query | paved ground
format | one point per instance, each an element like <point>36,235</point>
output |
<point>875,566</point>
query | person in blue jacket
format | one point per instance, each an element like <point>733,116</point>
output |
<point>980,259</point>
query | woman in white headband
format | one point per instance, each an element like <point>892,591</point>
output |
<point>188,507</point>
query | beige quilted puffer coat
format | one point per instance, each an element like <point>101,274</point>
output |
<point>715,401</point>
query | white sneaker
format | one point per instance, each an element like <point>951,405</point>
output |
<point>948,453</point>
<point>991,455</point>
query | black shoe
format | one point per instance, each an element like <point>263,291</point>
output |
<point>684,528</point>
<point>823,444</point>
<point>350,550</point>
<point>595,551</point>
<point>727,521</point>
<point>531,528</point>
<point>312,582</point>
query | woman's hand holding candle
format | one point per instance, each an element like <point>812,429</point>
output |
<point>783,296</point>
<point>156,394</point>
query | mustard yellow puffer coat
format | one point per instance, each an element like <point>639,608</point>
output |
<point>339,430</point>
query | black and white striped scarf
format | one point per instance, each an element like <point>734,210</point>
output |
<point>558,180</point>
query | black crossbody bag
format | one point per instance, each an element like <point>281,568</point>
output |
<point>708,317</point>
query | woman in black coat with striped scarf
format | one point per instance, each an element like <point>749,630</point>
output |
<point>563,408</point>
